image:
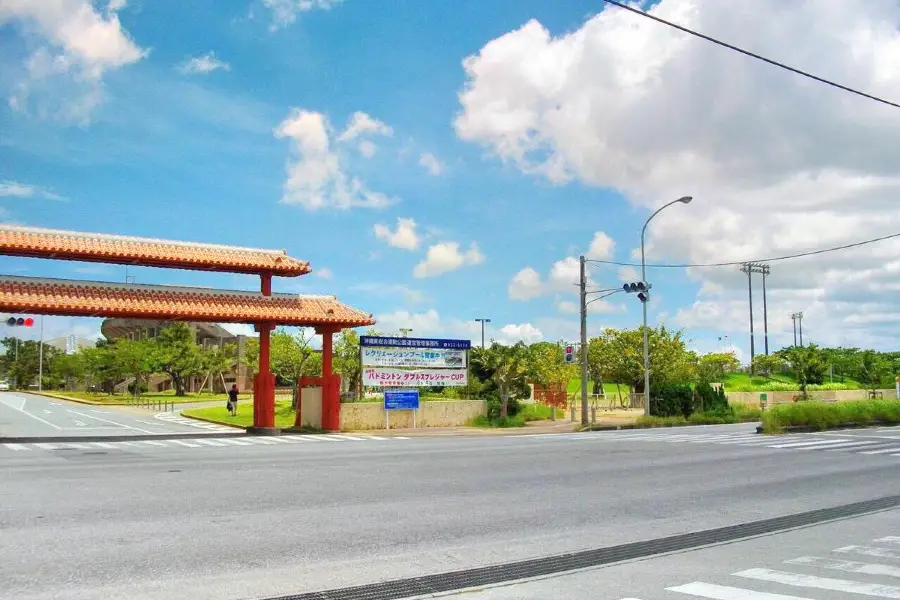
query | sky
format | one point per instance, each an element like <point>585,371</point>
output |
<point>438,162</point>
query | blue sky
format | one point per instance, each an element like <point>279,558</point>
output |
<point>187,128</point>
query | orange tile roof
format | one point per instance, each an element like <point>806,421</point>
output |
<point>115,249</point>
<point>95,299</point>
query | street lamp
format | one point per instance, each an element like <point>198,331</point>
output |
<point>682,200</point>
<point>482,321</point>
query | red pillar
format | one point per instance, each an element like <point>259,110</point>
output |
<point>265,284</point>
<point>331,386</point>
<point>264,383</point>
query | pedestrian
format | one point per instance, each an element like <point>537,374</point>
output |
<point>232,400</point>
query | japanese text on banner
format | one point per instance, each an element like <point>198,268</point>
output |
<point>413,357</point>
<point>386,377</point>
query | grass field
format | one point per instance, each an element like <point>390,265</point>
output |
<point>574,387</point>
<point>743,382</point>
<point>284,416</point>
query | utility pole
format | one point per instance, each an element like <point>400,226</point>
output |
<point>482,321</point>
<point>41,358</point>
<point>584,354</point>
<point>762,269</point>
<point>797,316</point>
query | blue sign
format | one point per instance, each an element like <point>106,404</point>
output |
<point>377,340</point>
<point>401,399</point>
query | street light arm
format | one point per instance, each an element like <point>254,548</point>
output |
<point>603,296</point>
<point>683,200</point>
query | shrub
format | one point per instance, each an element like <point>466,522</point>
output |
<point>483,421</point>
<point>672,400</point>
<point>645,421</point>
<point>493,407</point>
<point>535,412</point>
<point>826,415</point>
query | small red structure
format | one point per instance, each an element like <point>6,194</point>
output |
<point>263,309</point>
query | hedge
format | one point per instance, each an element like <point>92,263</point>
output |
<point>830,415</point>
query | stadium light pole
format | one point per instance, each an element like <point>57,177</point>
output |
<point>482,321</point>
<point>682,200</point>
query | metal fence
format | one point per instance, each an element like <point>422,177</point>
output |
<point>152,403</point>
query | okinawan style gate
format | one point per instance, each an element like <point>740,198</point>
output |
<point>263,309</point>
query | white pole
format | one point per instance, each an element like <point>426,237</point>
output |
<point>41,358</point>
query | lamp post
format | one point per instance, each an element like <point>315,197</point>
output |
<point>482,321</point>
<point>682,200</point>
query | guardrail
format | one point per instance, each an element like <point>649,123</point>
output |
<point>152,403</point>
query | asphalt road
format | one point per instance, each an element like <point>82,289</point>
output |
<point>270,519</point>
<point>30,415</point>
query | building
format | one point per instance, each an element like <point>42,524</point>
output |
<point>70,344</point>
<point>205,334</point>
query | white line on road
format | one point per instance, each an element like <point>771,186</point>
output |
<point>183,443</point>
<point>17,447</point>
<point>724,592</point>
<point>108,421</point>
<point>822,583</point>
<point>209,442</point>
<point>235,442</point>
<point>883,450</point>
<point>891,539</point>
<point>846,565</point>
<point>103,445</point>
<point>816,444</point>
<point>869,551</point>
<point>153,443</point>
<point>46,446</point>
<point>852,445</point>
<point>347,437</point>
<point>22,410</point>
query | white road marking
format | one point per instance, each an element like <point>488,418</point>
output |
<point>883,450</point>
<point>107,421</point>
<point>298,438</point>
<point>846,565</point>
<point>183,443</point>
<point>724,592</point>
<point>869,551</point>
<point>153,443</point>
<point>46,446</point>
<point>103,445</point>
<point>891,539</point>
<point>235,442</point>
<point>77,446</point>
<point>822,583</point>
<point>17,447</point>
<point>80,423</point>
<point>21,409</point>
<point>823,443</point>
<point>48,412</point>
<point>209,442</point>
<point>347,437</point>
<point>326,438</point>
<point>851,445</point>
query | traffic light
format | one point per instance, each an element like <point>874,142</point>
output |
<point>570,354</point>
<point>641,288</point>
<point>20,321</point>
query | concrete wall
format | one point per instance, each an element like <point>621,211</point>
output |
<point>752,398</point>
<point>370,415</point>
<point>311,407</point>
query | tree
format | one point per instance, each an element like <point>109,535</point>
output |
<point>670,360</point>
<point>23,368</point>
<point>766,364</point>
<point>132,358</point>
<point>873,370</point>
<point>807,364</point>
<point>545,365</point>
<point>598,362</point>
<point>177,355</point>
<point>712,367</point>
<point>292,358</point>
<point>346,357</point>
<point>506,368</point>
<point>216,361</point>
<point>68,368</point>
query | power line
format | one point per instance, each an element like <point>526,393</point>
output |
<point>752,54</point>
<point>741,262</point>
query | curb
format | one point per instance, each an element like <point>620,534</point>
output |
<point>808,429</point>
<point>76,400</point>
<point>635,426</point>
<point>115,438</point>
<point>205,420</point>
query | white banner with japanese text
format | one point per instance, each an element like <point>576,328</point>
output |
<point>413,357</point>
<point>386,377</point>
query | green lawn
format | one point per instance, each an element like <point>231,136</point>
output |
<point>574,387</point>
<point>125,398</point>
<point>743,382</point>
<point>284,416</point>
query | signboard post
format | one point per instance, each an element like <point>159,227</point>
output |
<point>400,400</point>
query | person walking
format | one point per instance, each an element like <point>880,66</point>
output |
<point>232,400</point>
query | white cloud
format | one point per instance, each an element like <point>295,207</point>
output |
<point>323,273</point>
<point>284,12</point>
<point>239,329</point>
<point>116,5</point>
<point>315,177</point>
<point>16,189</point>
<point>392,290</point>
<point>445,257</point>
<point>367,148</point>
<point>404,236</point>
<point>75,45</point>
<point>361,124</point>
<point>431,163</point>
<point>776,163</point>
<point>201,65</point>
<point>426,323</point>
<point>524,332</point>
<point>628,274</point>
<point>601,247</point>
<point>525,285</point>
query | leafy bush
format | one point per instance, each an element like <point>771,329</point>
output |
<point>493,406</point>
<point>709,399</point>
<point>483,421</point>
<point>828,387</point>
<point>826,415</point>
<point>535,412</point>
<point>644,421</point>
<point>672,400</point>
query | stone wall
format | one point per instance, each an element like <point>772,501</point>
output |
<point>370,415</point>
<point>752,398</point>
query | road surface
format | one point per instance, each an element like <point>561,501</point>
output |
<point>31,415</point>
<point>263,519</point>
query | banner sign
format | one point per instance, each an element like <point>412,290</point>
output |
<point>401,399</point>
<point>402,342</point>
<point>386,377</point>
<point>413,357</point>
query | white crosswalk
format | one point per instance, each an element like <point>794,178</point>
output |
<point>883,445</point>
<point>194,423</point>
<point>197,443</point>
<point>807,577</point>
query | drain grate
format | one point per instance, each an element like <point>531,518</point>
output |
<point>481,576</point>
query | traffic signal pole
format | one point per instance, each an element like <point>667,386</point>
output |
<point>584,353</point>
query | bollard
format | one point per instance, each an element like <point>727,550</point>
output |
<point>553,413</point>
<point>594,414</point>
